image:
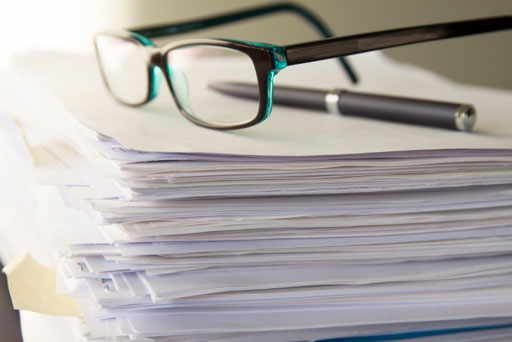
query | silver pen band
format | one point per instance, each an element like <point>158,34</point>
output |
<point>332,99</point>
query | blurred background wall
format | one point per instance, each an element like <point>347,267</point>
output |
<point>69,25</point>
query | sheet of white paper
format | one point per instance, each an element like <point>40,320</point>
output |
<point>179,322</point>
<point>75,81</point>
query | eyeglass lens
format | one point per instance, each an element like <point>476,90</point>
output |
<point>124,67</point>
<point>193,70</point>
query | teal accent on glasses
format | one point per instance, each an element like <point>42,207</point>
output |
<point>279,58</point>
<point>144,40</point>
<point>157,81</point>
<point>279,62</point>
<point>270,93</point>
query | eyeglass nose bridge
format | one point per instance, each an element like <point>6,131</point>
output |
<point>155,56</point>
<point>156,65</point>
<point>159,70</point>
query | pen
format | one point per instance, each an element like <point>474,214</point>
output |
<point>448,115</point>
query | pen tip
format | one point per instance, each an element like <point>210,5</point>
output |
<point>465,117</point>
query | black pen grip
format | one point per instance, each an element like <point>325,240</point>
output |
<point>300,98</point>
<point>414,111</point>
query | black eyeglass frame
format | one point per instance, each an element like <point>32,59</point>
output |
<point>269,59</point>
<point>265,58</point>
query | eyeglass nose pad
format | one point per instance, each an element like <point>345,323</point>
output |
<point>157,81</point>
<point>180,88</point>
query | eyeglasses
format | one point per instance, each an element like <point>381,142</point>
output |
<point>133,68</point>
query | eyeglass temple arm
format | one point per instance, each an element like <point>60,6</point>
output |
<point>344,46</point>
<point>198,24</point>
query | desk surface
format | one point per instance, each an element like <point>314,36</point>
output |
<point>9,318</point>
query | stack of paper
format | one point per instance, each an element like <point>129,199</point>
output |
<point>307,227</point>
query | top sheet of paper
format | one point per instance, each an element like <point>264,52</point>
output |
<point>159,127</point>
